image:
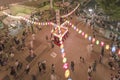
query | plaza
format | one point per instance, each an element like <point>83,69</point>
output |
<point>40,44</point>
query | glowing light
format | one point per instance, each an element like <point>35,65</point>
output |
<point>119,52</point>
<point>61,42</point>
<point>83,33</point>
<point>89,38</point>
<point>61,46</point>
<point>113,49</point>
<point>102,43</point>
<point>77,29</point>
<point>63,55</point>
<point>69,78</point>
<point>93,40</point>
<point>64,60</point>
<point>67,73</point>
<point>86,35</point>
<point>107,47</point>
<point>74,28</point>
<point>65,66</point>
<point>62,50</point>
<point>80,31</point>
<point>97,42</point>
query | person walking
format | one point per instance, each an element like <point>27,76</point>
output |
<point>89,70</point>
<point>13,72</point>
<point>102,50</point>
<point>100,59</point>
<point>39,67</point>
<point>27,69</point>
<point>72,65</point>
<point>43,66</point>
<point>94,65</point>
<point>17,65</point>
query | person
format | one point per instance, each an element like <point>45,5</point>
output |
<point>89,70</point>
<point>34,77</point>
<point>100,59</point>
<point>39,66</point>
<point>43,66</point>
<point>102,50</point>
<point>17,64</point>
<point>94,65</point>
<point>12,56</point>
<point>46,37</point>
<point>82,59</point>
<point>27,69</point>
<point>72,65</point>
<point>13,72</point>
<point>52,68</point>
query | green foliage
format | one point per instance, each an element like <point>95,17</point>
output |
<point>111,8</point>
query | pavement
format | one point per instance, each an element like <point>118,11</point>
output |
<point>75,46</point>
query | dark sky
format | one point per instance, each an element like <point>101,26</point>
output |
<point>6,2</point>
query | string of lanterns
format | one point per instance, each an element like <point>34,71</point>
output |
<point>93,40</point>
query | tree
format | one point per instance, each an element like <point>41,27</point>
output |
<point>111,8</point>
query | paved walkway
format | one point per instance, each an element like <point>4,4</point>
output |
<point>75,46</point>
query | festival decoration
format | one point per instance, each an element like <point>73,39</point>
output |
<point>113,49</point>
<point>67,73</point>
<point>107,47</point>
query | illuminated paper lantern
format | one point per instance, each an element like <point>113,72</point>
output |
<point>107,47</point>
<point>74,27</point>
<point>64,60</point>
<point>93,40</point>
<point>77,29</point>
<point>61,46</point>
<point>67,73</point>
<point>86,35</point>
<point>89,38</point>
<point>113,49</point>
<point>83,33</point>
<point>97,42</point>
<point>119,52</point>
<point>102,43</point>
<point>80,31</point>
<point>65,66</point>
<point>62,50</point>
<point>63,55</point>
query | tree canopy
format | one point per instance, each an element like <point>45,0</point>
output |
<point>111,8</point>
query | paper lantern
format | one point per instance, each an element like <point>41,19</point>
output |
<point>65,66</point>
<point>83,33</point>
<point>67,73</point>
<point>64,60</point>
<point>93,40</point>
<point>74,27</point>
<point>107,47</point>
<point>69,78</point>
<point>80,31</point>
<point>62,50</point>
<point>102,43</point>
<point>61,46</point>
<point>97,42</point>
<point>113,49</point>
<point>77,29</point>
<point>119,52</point>
<point>89,38</point>
<point>86,35</point>
<point>63,55</point>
